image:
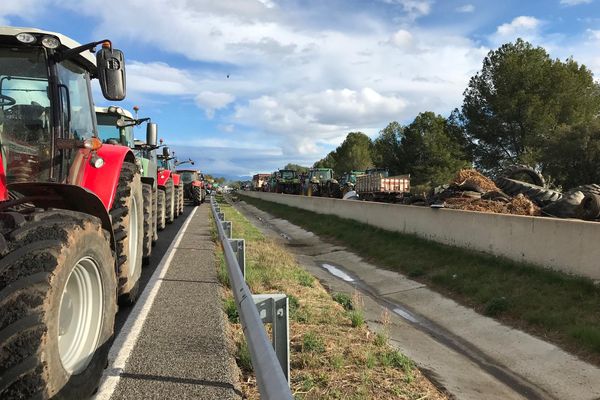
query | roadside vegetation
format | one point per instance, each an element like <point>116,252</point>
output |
<point>333,354</point>
<point>553,305</point>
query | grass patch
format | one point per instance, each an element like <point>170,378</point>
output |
<point>231,310</point>
<point>332,353</point>
<point>551,304</point>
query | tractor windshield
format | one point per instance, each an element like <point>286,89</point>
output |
<point>187,176</point>
<point>109,132</point>
<point>288,174</point>
<point>165,164</point>
<point>25,114</point>
<point>324,174</point>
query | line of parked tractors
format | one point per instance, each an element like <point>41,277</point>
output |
<point>373,184</point>
<point>81,205</point>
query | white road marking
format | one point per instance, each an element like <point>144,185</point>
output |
<point>126,340</point>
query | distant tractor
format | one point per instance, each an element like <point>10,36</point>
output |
<point>287,181</point>
<point>115,126</point>
<point>193,185</point>
<point>71,215</point>
<point>170,183</point>
<point>320,182</point>
<point>259,182</point>
<point>348,181</point>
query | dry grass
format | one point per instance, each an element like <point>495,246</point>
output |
<point>330,358</point>
<point>472,176</point>
<point>518,205</point>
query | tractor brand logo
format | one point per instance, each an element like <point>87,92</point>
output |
<point>113,63</point>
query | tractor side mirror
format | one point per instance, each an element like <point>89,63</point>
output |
<point>111,73</point>
<point>151,134</point>
<point>166,152</point>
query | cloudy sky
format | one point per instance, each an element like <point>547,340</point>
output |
<point>244,86</point>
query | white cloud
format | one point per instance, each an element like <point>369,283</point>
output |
<point>402,38</point>
<point>574,2</point>
<point>525,27</point>
<point>25,9</point>
<point>413,8</point>
<point>594,34</point>
<point>212,101</point>
<point>467,8</point>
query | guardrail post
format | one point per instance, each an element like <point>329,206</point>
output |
<point>273,309</point>
<point>221,215</point>
<point>239,248</point>
<point>227,228</point>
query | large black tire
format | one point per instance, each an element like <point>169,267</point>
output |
<point>39,254</point>
<point>566,207</point>
<point>181,199</point>
<point>589,209</point>
<point>127,211</point>
<point>162,209</point>
<point>155,216</point>
<point>176,194</point>
<point>516,171</point>
<point>538,194</point>
<point>148,222</point>
<point>197,195</point>
<point>587,189</point>
<point>170,201</point>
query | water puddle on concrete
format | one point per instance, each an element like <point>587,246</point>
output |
<point>337,272</point>
<point>406,315</point>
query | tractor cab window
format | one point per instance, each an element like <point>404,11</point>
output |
<point>288,174</point>
<point>75,91</point>
<point>162,163</point>
<point>187,176</point>
<point>110,133</point>
<point>25,114</point>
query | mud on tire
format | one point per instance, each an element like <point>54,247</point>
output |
<point>148,223</point>
<point>43,254</point>
<point>196,195</point>
<point>128,210</point>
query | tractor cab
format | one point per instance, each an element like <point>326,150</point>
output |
<point>47,121</point>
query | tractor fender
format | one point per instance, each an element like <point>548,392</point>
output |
<point>67,197</point>
<point>197,183</point>
<point>163,176</point>
<point>3,188</point>
<point>176,179</point>
<point>102,181</point>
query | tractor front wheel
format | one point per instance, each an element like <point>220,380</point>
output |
<point>57,304</point>
<point>127,215</point>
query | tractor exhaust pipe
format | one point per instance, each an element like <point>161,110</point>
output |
<point>151,134</point>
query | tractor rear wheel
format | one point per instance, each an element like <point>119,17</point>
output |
<point>170,201</point>
<point>148,219</point>
<point>162,212</point>
<point>127,215</point>
<point>57,304</point>
<point>155,216</point>
<point>197,195</point>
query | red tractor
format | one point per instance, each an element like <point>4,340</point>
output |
<point>170,184</point>
<point>193,185</point>
<point>71,221</point>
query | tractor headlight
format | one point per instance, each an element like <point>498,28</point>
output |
<point>25,37</point>
<point>50,42</point>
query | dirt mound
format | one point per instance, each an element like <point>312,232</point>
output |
<point>518,205</point>
<point>473,177</point>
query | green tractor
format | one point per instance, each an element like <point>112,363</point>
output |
<point>115,126</point>
<point>320,182</point>
<point>288,182</point>
<point>348,181</point>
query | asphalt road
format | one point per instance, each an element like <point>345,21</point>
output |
<point>173,344</point>
<point>165,238</point>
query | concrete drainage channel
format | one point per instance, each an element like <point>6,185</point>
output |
<point>468,355</point>
<point>520,386</point>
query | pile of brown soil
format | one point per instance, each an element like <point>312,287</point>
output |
<point>473,177</point>
<point>519,205</point>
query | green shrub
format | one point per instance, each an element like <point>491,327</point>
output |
<point>344,299</point>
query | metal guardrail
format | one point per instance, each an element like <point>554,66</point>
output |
<point>269,370</point>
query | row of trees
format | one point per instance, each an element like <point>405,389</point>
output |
<point>522,107</point>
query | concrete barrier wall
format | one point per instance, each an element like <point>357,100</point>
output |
<point>571,246</point>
